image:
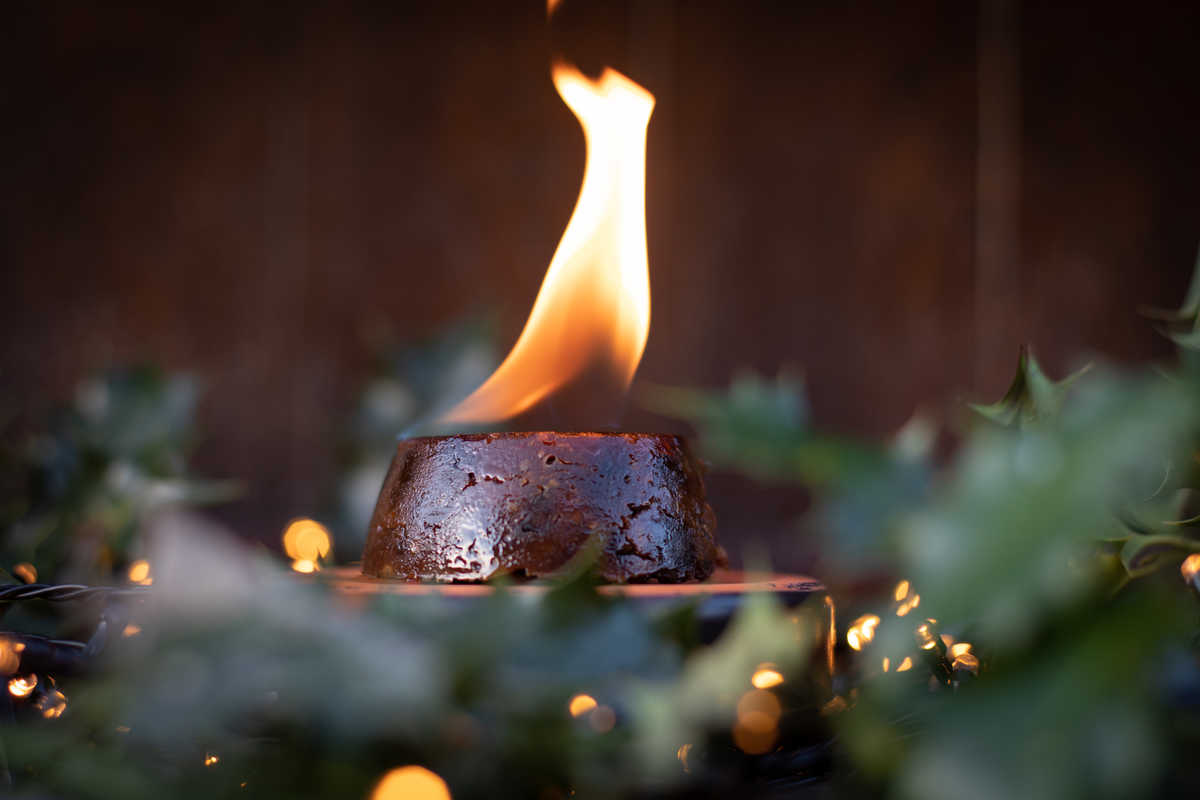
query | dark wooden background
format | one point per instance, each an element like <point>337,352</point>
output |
<point>890,196</point>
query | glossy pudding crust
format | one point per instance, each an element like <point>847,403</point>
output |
<point>464,508</point>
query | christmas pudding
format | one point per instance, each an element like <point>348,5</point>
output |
<point>468,507</point>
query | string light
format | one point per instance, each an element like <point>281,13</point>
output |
<point>765,676</point>
<point>22,685</point>
<point>51,703</point>
<point>926,638</point>
<point>908,605</point>
<point>967,661</point>
<point>862,631</point>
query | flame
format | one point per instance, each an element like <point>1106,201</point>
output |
<point>26,572</point>
<point>411,783</point>
<point>594,305</point>
<point>211,759</point>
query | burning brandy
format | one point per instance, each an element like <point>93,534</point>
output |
<point>458,508</point>
<point>593,309</point>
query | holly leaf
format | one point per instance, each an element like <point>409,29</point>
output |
<point>1032,396</point>
<point>1188,315</point>
<point>1189,340</point>
<point>1142,555</point>
<point>1183,326</point>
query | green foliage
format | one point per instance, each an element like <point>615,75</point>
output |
<point>78,493</point>
<point>1182,326</point>
<point>762,428</point>
<point>1032,397</point>
<point>299,696</point>
<point>1077,714</point>
<point>1022,514</point>
<point>1041,541</point>
<point>703,696</point>
<point>1188,314</point>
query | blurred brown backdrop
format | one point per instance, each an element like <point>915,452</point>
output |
<point>890,199</point>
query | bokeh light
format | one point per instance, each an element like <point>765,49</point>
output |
<point>1190,567</point>
<point>581,704</point>
<point>10,660</point>
<point>306,542</point>
<point>862,631</point>
<point>926,637</point>
<point>602,719</point>
<point>757,725</point>
<point>139,572</point>
<point>411,783</point>
<point>765,676</point>
<point>22,685</point>
<point>682,755</point>
<point>52,703</point>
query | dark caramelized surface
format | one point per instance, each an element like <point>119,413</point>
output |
<point>462,508</point>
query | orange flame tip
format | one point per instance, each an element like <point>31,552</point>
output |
<point>593,308</point>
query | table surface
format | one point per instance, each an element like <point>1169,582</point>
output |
<point>349,580</point>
